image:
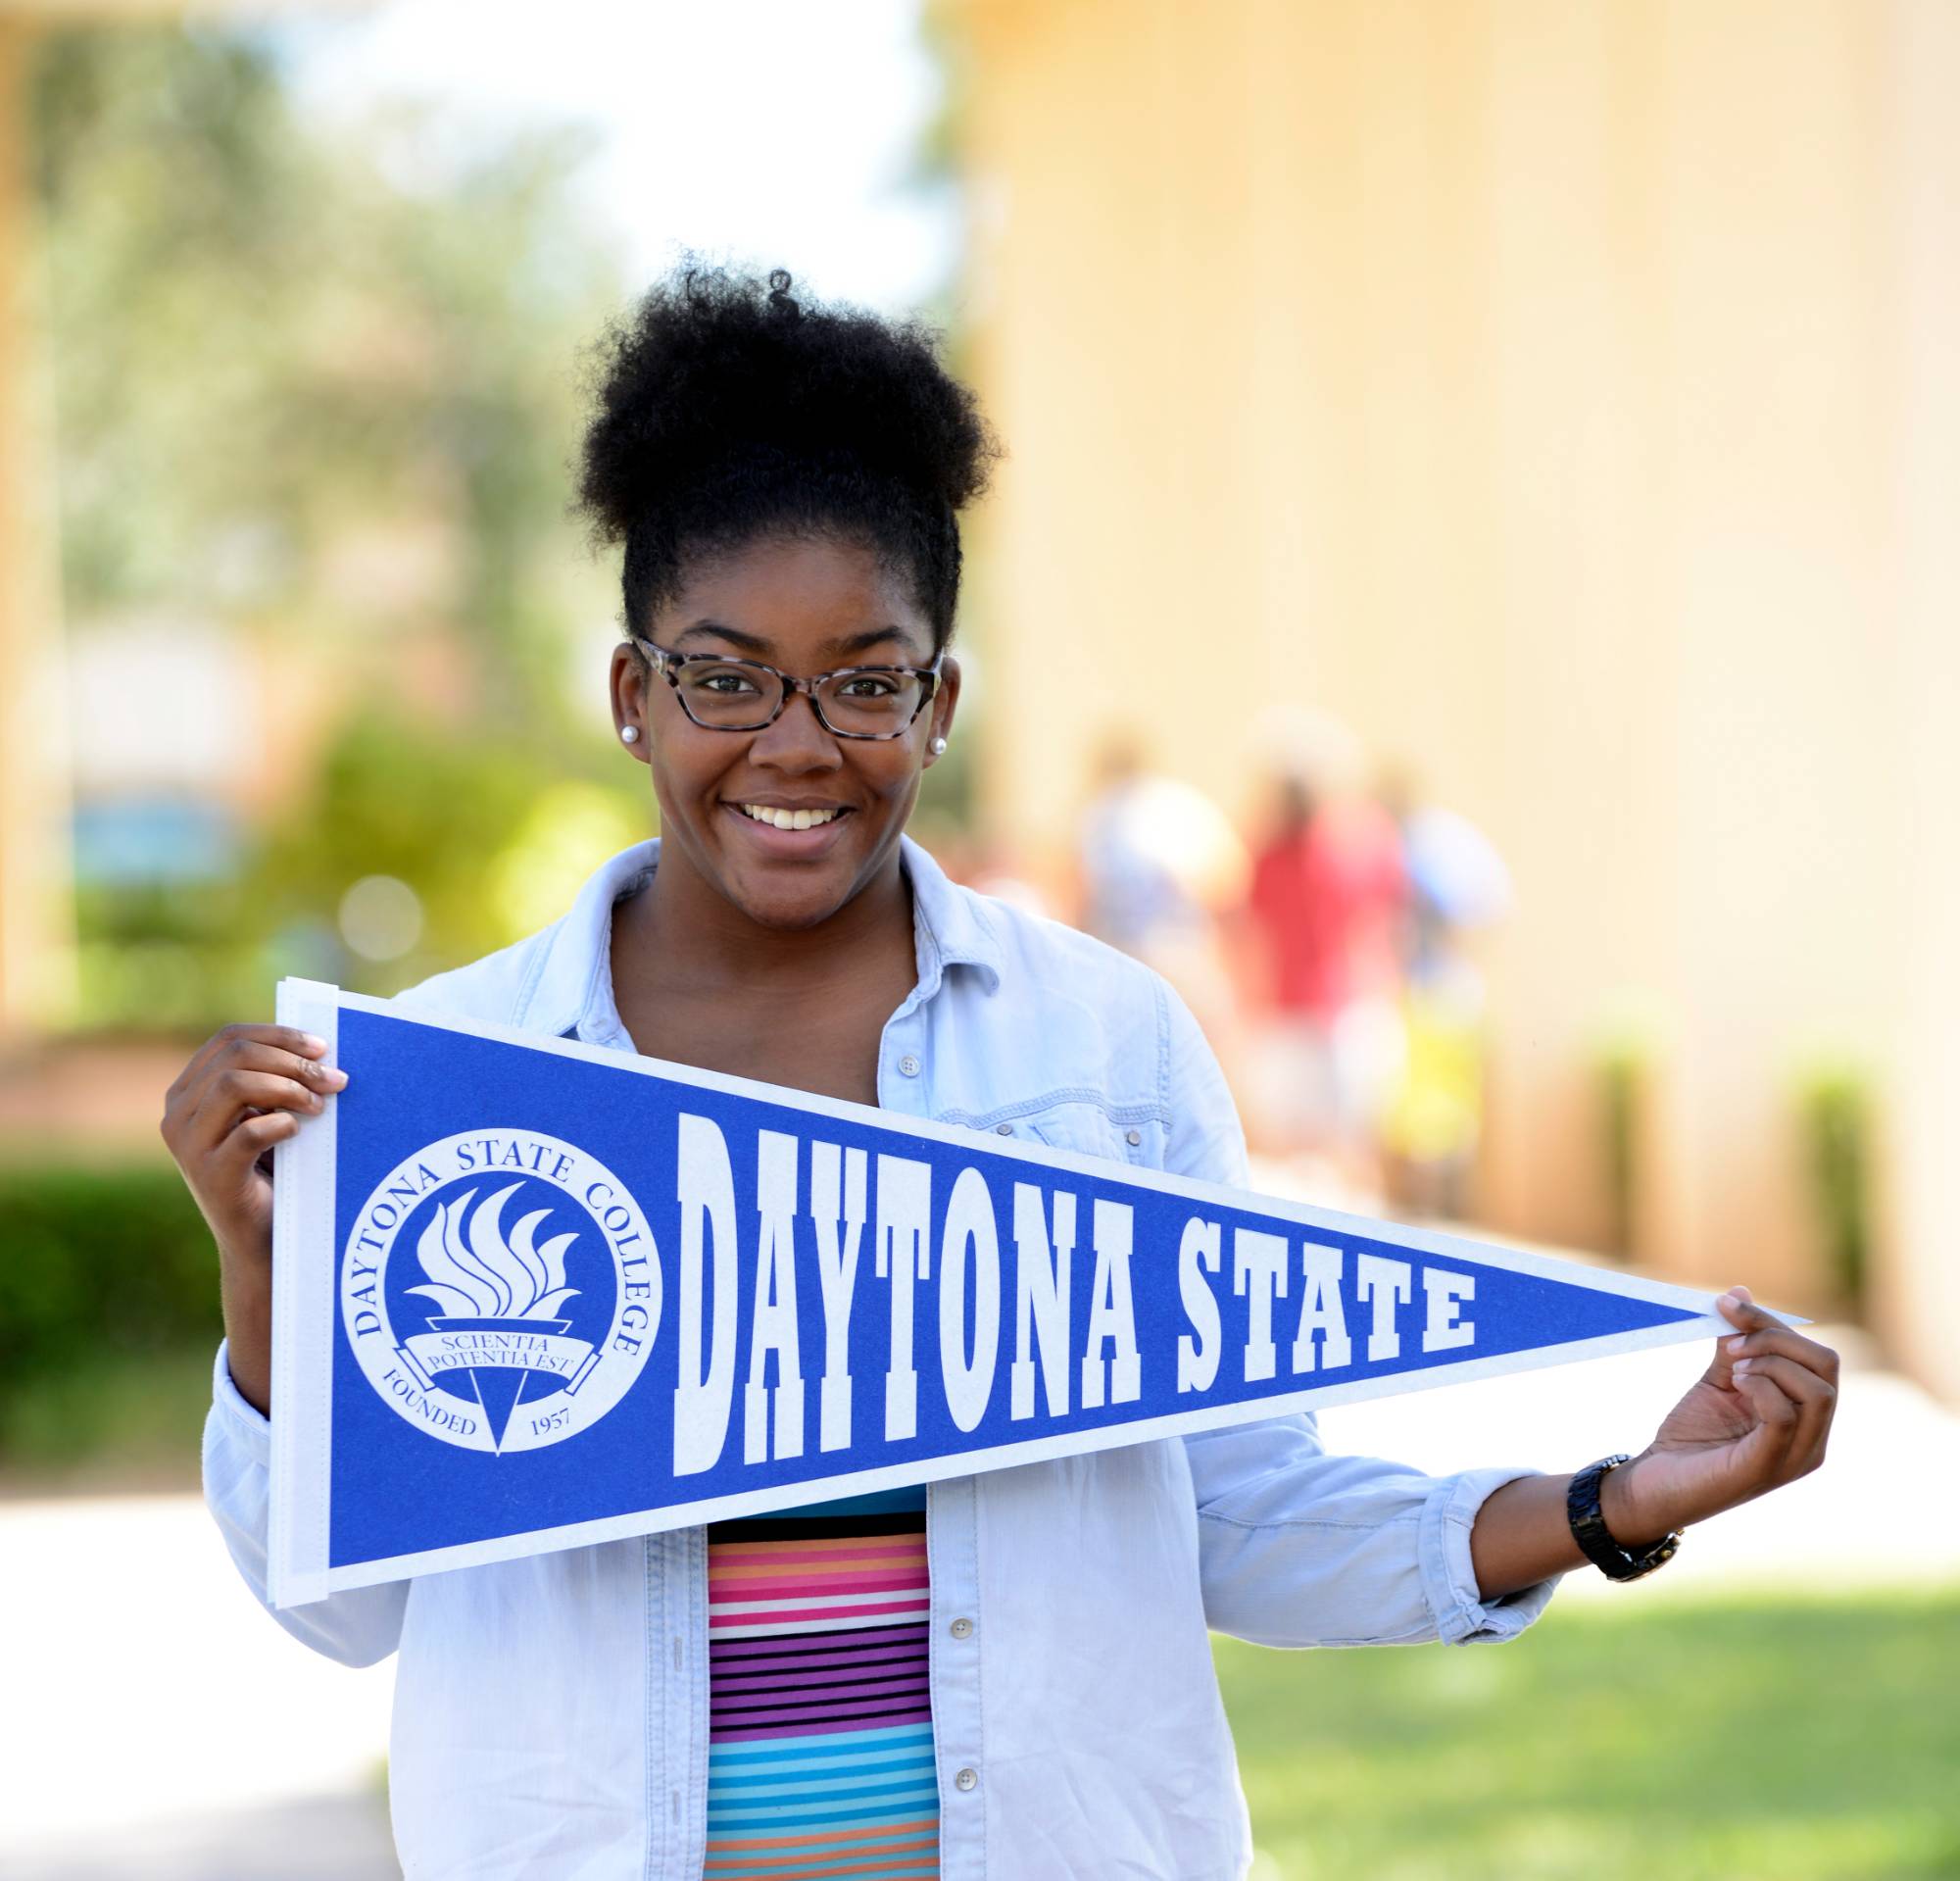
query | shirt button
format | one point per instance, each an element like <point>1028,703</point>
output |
<point>1132,1137</point>
<point>1003,1129</point>
<point>961,1628</point>
<point>910,1066</point>
<point>966,1780</point>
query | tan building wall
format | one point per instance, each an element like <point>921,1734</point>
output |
<point>1564,396</point>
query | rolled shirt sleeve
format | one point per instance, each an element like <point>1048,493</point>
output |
<point>1297,1548</point>
<point>357,1627</point>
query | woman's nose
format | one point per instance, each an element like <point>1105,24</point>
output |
<point>798,739</point>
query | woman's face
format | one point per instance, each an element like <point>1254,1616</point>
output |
<point>804,607</point>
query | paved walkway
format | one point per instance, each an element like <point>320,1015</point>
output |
<point>164,1729</point>
<point>332,1838</point>
<point>160,1725</point>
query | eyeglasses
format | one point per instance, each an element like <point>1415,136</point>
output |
<point>721,694</point>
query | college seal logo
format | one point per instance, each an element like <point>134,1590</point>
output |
<point>501,1290</point>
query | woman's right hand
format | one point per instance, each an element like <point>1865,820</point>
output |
<point>245,1089</point>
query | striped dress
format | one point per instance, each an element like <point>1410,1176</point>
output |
<point>820,1758</point>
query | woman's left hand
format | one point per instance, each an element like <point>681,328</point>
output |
<point>1759,1417</point>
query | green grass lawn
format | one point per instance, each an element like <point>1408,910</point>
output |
<point>1763,1739</point>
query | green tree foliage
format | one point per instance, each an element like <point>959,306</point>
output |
<point>320,384</point>
<point>457,817</point>
<point>267,345</point>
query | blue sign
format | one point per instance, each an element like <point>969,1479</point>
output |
<point>530,1294</point>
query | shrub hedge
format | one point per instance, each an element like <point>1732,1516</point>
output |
<point>99,1263</point>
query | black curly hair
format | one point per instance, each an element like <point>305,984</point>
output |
<point>726,410</point>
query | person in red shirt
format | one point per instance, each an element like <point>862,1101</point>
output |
<point>1327,897</point>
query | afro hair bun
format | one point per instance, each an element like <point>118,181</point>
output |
<point>727,405</point>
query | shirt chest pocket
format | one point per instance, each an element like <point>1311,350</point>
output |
<point>1090,1128</point>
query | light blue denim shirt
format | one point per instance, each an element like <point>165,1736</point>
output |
<point>550,1715</point>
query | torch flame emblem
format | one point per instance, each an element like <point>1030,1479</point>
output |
<point>495,1334</point>
<point>476,1273</point>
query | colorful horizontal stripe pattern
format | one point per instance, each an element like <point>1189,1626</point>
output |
<point>820,1756</point>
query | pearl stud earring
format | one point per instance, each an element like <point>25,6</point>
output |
<point>938,747</point>
<point>629,734</point>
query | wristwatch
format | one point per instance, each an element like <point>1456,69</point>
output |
<point>1595,1541</point>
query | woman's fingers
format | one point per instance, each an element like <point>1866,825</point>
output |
<point>1787,1393</point>
<point>1739,1311</point>
<point>245,1089</point>
<point>233,1179</point>
<point>237,1092</point>
<point>250,1139</point>
<point>229,1038</point>
<point>1790,1381</point>
<point>1775,1340</point>
<point>310,1072</point>
<point>244,1075</point>
<point>1761,1334</point>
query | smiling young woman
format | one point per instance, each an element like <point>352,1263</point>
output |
<point>1008,1675</point>
<point>785,481</point>
<point>779,860</point>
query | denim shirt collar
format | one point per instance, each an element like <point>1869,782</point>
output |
<point>569,989</point>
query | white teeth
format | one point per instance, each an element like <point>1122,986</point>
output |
<point>788,819</point>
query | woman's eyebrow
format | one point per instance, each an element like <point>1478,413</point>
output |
<point>747,642</point>
<point>756,645</point>
<point>871,637</point>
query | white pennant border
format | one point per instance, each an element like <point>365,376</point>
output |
<point>305,1265</point>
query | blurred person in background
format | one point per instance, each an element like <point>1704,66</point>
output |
<point>1161,868</point>
<point>1457,884</point>
<point>786,480</point>
<point>1325,906</point>
<point>1297,981</point>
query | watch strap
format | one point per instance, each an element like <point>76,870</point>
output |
<point>1595,1541</point>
